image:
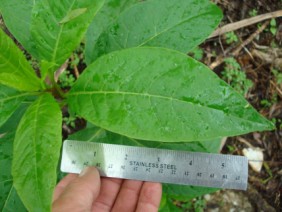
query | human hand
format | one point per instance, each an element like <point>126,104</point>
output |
<point>88,192</point>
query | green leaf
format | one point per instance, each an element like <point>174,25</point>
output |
<point>106,16</point>
<point>17,17</point>
<point>186,193</point>
<point>213,146</point>
<point>15,71</point>
<point>9,199</point>
<point>36,153</point>
<point>99,135</point>
<point>11,125</point>
<point>161,95</point>
<point>178,24</point>
<point>10,99</point>
<point>66,23</point>
<point>168,206</point>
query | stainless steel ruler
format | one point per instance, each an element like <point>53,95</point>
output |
<point>157,165</point>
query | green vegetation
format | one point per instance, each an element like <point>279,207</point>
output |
<point>231,37</point>
<point>236,77</point>
<point>273,26</point>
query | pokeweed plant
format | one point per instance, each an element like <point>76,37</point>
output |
<point>140,88</point>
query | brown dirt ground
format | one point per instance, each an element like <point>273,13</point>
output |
<point>265,188</point>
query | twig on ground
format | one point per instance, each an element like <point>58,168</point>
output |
<point>250,39</point>
<point>235,52</point>
<point>276,87</point>
<point>244,23</point>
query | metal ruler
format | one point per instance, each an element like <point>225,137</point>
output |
<point>157,165</point>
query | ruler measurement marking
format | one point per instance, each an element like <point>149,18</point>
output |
<point>169,166</point>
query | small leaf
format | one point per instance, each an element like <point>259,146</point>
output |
<point>36,153</point>
<point>179,24</point>
<point>72,15</point>
<point>15,71</point>
<point>161,95</point>
<point>10,99</point>
<point>104,18</point>
<point>66,23</point>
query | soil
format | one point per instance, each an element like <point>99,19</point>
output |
<point>265,187</point>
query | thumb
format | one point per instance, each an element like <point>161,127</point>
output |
<point>79,194</point>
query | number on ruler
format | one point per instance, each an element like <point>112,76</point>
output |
<point>223,165</point>
<point>224,176</point>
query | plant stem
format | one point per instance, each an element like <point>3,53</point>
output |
<point>56,86</point>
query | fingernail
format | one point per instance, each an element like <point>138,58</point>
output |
<point>84,171</point>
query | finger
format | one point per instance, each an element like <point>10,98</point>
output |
<point>128,196</point>
<point>150,197</point>
<point>80,192</point>
<point>108,193</point>
<point>63,184</point>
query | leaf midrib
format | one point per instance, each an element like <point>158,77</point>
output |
<point>34,146</point>
<point>58,40</point>
<point>140,94</point>
<point>156,96</point>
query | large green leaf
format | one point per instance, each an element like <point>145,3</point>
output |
<point>15,71</point>
<point>17,17</point>
<point>106,16</point>
<point>58,27</point>
<point>9,200</point>
<point>36,153</point>
<point>178,24</point>
<point>10,99</point>
<point>162,95</point>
